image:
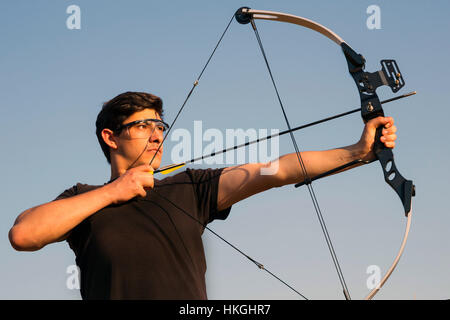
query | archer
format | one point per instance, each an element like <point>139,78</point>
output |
<point>128,235</point>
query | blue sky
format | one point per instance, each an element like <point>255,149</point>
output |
<point>54,81</point>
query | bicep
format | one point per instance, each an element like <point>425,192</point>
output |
<point>240,182</point>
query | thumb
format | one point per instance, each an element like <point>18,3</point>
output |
<point>381,122</point>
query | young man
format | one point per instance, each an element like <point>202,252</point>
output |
<point>137,237</point>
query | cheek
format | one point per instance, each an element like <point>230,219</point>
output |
<point>135,147</point>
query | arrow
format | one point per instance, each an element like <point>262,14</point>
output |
<point>172,167</point>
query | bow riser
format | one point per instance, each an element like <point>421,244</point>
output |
<point>367,84</point>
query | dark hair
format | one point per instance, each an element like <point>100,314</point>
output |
<point>116,110</point>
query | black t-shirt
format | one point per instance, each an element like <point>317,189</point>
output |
<point>148,248</point>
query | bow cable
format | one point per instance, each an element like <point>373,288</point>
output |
<point>259,265</point>
<point>305,173</point>
<point>192,89</point>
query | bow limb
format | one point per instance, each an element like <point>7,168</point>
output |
<point>289,18</point>
<point>396,260</point>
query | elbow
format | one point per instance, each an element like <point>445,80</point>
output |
<point>275,175</point>
<point>20,242</point>
<point>16,239</point>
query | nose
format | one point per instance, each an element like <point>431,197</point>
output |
<point>156,136</point>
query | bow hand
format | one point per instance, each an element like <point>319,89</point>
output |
<point>379,133</point>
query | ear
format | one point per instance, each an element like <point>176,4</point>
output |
<point>109,138</point>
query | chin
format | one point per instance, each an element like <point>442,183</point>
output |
<point>155,164</point>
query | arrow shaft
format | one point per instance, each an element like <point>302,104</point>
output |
<point>279,134</point>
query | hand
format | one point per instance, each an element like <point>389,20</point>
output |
<point>132,183</point>
<point>388,137</point>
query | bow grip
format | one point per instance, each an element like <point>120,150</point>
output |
<point>405,189</point>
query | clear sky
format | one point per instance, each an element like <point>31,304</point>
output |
<point>54,80</point>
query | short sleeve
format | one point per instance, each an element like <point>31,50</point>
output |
<point>206,188</point>
<point>76,189</point>
<point>67,193</point>
<point>78,233</point>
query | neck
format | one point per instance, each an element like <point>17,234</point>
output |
<point>120,165</point>
<point>118,168</point>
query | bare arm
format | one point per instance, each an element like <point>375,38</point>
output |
<point>240,182</point>
<point>51,222</point>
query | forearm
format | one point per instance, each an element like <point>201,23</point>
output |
<point>316,162</point>
<point>52,221</point>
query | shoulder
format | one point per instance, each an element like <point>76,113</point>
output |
<point>192,176</point>
<point>76,189</point>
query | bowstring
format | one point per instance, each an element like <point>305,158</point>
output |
<point>192,89</point>
<point>259,265</point>
<point>204,225</point>
<point>145,148</point>
<point>305,173</point>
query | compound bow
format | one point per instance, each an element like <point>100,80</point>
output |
<point>370,107</point>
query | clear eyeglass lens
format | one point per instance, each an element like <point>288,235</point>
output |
<point>144,129</point>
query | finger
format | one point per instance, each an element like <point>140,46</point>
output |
<point>389,122</point>
<point>380,122</point>
<point>147,180</point>
<point>145,168</point>
<point>142,192</point>
<point>388,142</point>
<point>390,130</point>
<point>390,137</point>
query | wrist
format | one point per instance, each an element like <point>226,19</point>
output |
<point>110,193</point>
<point>361,151</point>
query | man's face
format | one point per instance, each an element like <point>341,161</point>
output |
<point>140,148</point>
